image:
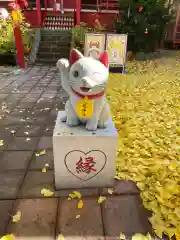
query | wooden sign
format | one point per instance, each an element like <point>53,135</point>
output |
<point>94,45</point>
<point>116,45</point>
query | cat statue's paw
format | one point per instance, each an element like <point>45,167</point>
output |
<point>72,121</point>
<point>62,64</point>
<point>91,126</point>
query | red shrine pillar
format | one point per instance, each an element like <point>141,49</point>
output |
<point>78,11</point>
<point>18,38</point>
<point>38,9</point>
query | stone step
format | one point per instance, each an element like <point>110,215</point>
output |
<point>59,38</point>
<point>54,44</point>
<point>47,61</point>
<point>47,32</point>
<point>53,49</point>
<point>62,54</point>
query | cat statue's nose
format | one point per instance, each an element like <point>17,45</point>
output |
<point>87,82</point>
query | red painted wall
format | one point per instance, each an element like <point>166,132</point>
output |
<point>88,17</point>
<point>104,18</point>
<point>31,17</point>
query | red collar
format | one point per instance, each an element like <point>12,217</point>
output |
<point>93,96</point>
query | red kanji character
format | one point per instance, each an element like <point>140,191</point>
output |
<point>86,166</point>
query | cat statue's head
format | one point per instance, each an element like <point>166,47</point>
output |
<point>88,76</point>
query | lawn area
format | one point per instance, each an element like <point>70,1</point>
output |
<point>145,105</point>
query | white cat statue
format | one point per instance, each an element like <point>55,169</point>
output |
<point>85,80</point>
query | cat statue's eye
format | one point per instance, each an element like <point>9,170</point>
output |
<point>75,73</point>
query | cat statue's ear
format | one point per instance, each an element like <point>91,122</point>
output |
<point>104,59</point>
<point>75,56</point>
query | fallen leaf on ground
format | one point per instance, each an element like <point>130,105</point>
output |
<point>47,192</point>
<point>1,143</point>
<point>77,216</point>
<point>16,218</point>
<point>110,191</point>
<point>122,236</point>
<point>139,236</point>
<point>101,199</point>
<point>44,170</point>
<point>43,152</point>
<point>8,237</point>
<point>13,131</point>
<point>80,204</point>
<point>60,237</point>
<point>71,196</point>
<point>77,194</point>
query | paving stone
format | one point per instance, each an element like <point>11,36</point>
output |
<point>15,160</point>
<point>21,143</point>
<point>6,141</point>
<point>44,104</point>
<point>1,155</point>
<point>60,105</point>
<point>26,105</point>
<point>29,99</point>
<point>48,130</point>
<point>45,143</point>
<point>14,120</point>
<point>14,97</point>
<point>29,130</point>
<point>6,207</point>
<point>124,214</point>
<point>85,192</point>
<point>51,120</point>
<point>122,187</point>
<point>3,96</point>
<point>42,112</point>
<point>38,219</point>
<point>38,162</point>
<point>10,183</point>
<point>35,181</point>
<point>89,226</point>
<point>8,131</point>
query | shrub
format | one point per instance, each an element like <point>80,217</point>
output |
<point>144,22</point>
<point>7,43</point>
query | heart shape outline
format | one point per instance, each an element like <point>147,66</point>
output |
<point>65,162</point>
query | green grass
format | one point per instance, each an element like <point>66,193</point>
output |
<point>145,106</point>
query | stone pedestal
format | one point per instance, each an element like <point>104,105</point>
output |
<point>83,158</point>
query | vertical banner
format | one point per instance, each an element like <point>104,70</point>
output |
<point>94,45</point>
<point>116,45</point>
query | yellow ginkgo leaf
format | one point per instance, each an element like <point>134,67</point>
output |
<point>122,236</point>
<point>8,237</point>
<point>43,152</point>
<point>60,237</point>
<point>1,143</point>
<point>80,204</point>
<point>71,196</point>
<point>139,236</point>
<point>101,199</point>
<point>77,194</point>
<point>149,237</point>
<point>16,218</point>
<point>44,170</point>
<point>47,192</point>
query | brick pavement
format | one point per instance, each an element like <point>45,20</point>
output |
<point>29,104</point>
